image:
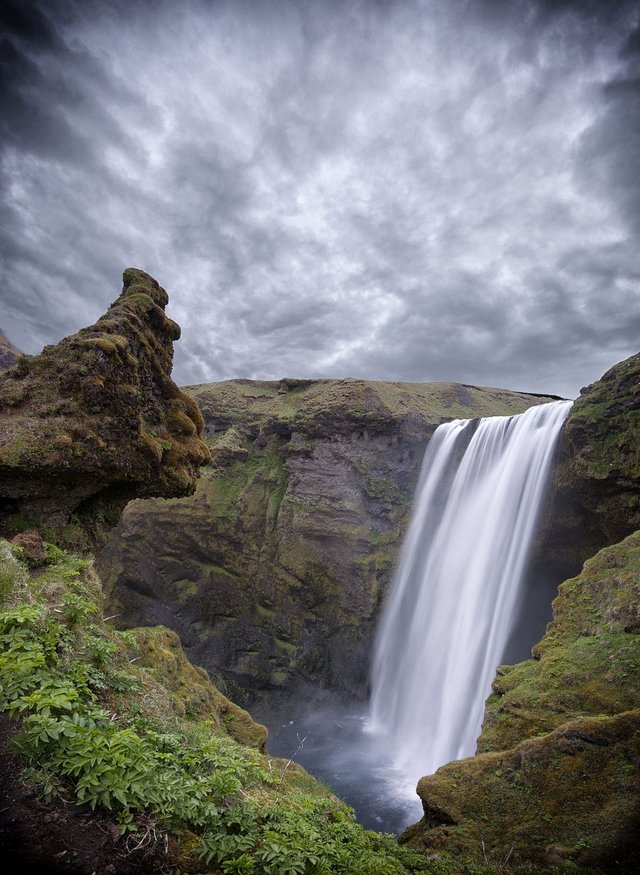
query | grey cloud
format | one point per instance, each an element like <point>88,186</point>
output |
<point>399,190</point>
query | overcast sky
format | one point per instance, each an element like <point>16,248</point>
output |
<point>411,190</point>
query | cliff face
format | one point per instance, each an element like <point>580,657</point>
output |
<point>85,426</point>
<point>272,573</point>
<point>557,779</point>
<point>95,421</point>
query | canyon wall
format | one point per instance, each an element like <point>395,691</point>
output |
<point>273,572</point>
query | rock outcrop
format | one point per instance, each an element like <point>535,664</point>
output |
<point>272,573</point>
<point>595,494</point>
<point>557,779</point>
<point>9,354</point>
<point>95,421</point>
<point>600,469</point>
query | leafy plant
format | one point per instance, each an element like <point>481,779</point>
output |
<point>63,681</point>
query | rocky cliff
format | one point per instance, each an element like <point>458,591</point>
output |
<point>600,463</point>
<point>95,421</point>
<point>272,573</point>
<point>85,426</point>
<point>593,499</point>
<point>116,753</point>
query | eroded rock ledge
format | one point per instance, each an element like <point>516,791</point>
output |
<point>95,421</point>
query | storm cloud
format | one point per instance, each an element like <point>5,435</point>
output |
<point>436,190</point>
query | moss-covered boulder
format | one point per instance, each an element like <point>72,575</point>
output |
<point>160,652</point>
<point>568,801</point>
<point>273,572</point>
<point>96,420</point>
<point>557,779</point>
<point>588,662</point>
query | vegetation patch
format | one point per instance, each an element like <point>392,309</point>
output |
<point>100,720</point>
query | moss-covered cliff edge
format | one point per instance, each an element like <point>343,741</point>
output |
<point>600,462</point>
<point>272,573</point>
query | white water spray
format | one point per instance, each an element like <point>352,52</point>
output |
<point>455,594</point>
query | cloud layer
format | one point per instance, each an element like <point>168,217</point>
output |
<point>395,190</point>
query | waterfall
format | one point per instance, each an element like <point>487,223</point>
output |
<point>456,590</point>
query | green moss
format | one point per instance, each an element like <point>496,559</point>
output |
<point>77,419</point>
<point>109,343</point>
<point>602,432</point>
<point>260,478</point>
<point>587,663</point>
<point>179,423</point>
<point>564,802</point>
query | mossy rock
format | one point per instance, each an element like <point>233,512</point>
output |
<point>86,424</point>
<point>160,650</point>
<point>601,450</point>
<point>566,802</point>
<point>587,664</point>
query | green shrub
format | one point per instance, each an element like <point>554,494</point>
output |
<point>62,679</point>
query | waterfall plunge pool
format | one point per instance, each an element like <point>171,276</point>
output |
<point>356,764</point>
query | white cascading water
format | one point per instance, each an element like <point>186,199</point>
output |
<point>455,594</point>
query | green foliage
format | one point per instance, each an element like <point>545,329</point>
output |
<point>54,554</point>
<point>13,575</point>
<point>61,677</point>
